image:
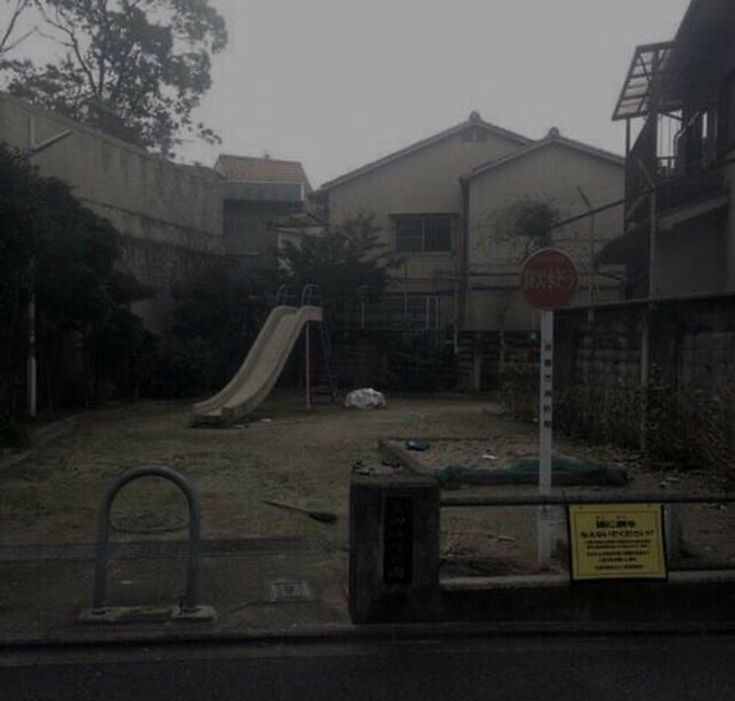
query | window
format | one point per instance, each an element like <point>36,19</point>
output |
<point>424,233</point>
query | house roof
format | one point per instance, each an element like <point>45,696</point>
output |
<point>553,138</point>
<point>261,170</point>
<point>473,120</point>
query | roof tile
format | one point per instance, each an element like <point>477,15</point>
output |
<point>268,170</point>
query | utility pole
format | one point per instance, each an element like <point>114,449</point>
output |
<point>33,149</point>
<point>646,321</point>
<point>592,281</point>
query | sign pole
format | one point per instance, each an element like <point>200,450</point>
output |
<point>307,363</point>
<point>545,414</point>
<point>32,149</point>
<point>549,281</point>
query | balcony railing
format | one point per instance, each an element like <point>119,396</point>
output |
<point>674,153</point>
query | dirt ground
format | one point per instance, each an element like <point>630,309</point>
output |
<point>292,455</point>
<point>503,540</point>
<point>285,453</point>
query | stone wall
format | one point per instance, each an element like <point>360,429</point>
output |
<point>657,376</point>
<point>170,215</point>
<point>691,341</point>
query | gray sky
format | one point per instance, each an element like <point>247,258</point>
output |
<point>336,83</point>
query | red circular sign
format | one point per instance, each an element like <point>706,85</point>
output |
<point>549,279</point>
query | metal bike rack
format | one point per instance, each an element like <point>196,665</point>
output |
<point>189,607</point>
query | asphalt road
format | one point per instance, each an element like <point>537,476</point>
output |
<point>559,667</point>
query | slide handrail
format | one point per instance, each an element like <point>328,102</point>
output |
<point>308,295</point>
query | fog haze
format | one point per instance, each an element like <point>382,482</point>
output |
<point>336,83</point>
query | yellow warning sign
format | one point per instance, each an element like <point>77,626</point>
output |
<point>617,541</point>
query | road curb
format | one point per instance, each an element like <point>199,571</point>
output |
<point>376,633</point>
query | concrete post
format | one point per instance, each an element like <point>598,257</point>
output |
<point>476,380</point>
<point>394,549</point>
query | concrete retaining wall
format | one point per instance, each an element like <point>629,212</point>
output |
<point>170,215</point>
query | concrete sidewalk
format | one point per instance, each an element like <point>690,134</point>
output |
<point>258,586</point>
<point>291,588</point>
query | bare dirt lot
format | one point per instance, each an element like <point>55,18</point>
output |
<point>292,455</point>
<point>286,453</point>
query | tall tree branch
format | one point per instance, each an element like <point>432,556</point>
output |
<point>5,44</point>
<point>72,44</point>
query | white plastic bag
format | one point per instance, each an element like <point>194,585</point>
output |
<point>366,398</point>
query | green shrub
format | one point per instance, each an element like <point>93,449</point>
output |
<point>608,413</point>
<point>420,361</point>
<point>186,368</point>
<point>13,434</point>
<point>519,389</point>
<point>691,427</point>
<point>217,317</point>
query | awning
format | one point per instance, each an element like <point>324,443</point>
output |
<point>648,72</point>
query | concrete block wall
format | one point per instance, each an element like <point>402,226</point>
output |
<point>170,215</point>
<point>601,355</point>
<point>601,346</point>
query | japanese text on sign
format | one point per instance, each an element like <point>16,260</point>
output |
<point>614,541</point>
<point>398,541</point>
<point>547,384</point>
<point>549,279</point>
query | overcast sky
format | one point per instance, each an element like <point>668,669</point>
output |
<point>337,83</point>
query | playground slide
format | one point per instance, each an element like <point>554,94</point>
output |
<point>260,370</point>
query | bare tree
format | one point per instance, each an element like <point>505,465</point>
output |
<point>8,32</point>
<point>134,68</point>
<point>526,224</point>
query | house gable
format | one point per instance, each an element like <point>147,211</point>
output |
<point>552,171</point>
<point>553,139</point>
<point>473,130</point>
<point>422,180</point>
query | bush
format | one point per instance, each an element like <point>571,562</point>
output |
<point>184,368</point>
<point>685,427</point>
<point>217,317</point>
<point>13,434</point>
<point>349,263</point>
<point>420,361</point>
<point>691,427</point>
<point>605,413</point>
<point>519,389</point>
<point>56,249</point>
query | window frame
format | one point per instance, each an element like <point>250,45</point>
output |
<point>423,218</point>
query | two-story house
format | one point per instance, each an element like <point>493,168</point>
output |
<point>678,103</point>
<point>439,203</point>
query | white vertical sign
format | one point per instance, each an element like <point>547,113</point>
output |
<point>545,427</point>
<point>549,281</point>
